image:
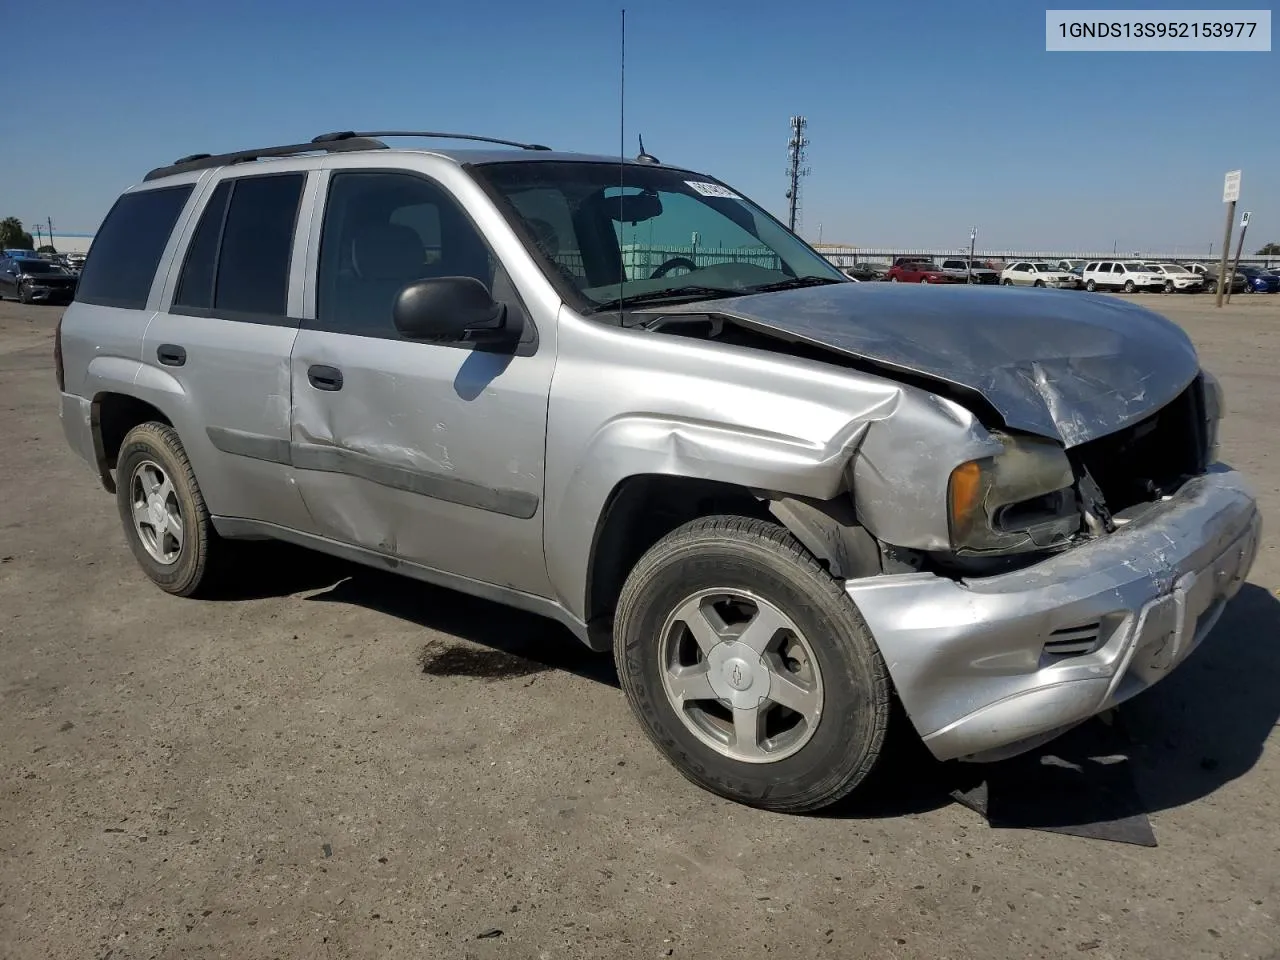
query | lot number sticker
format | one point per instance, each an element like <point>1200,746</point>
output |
<point>711,189</point>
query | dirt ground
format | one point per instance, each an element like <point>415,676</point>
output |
<point>339,763</point>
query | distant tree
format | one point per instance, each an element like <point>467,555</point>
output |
<point>1270,250</point>
<point>13,237</point>
<point>47,248</point>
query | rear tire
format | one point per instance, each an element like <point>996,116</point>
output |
<point>686,614</point>
<point>163,512</point>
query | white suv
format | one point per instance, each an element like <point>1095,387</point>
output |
<point>1036,273</point>
<point>1178,279</point>
<point>1114,275</point>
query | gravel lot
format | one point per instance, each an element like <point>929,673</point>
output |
<point>339,763</point>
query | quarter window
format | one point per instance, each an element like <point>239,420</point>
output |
<point>124,256</point>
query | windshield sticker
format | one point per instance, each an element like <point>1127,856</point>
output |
<point>711,189</point>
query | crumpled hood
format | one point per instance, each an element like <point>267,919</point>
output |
<point>1069,365</point>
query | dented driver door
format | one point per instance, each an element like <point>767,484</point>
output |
<point>429,453</point>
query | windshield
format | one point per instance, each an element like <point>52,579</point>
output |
<point>665,232</point>
<point>38,266</point>
<point>1173,268</point>
<point>1043,268</point>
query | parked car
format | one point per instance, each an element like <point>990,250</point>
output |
<point>1178,279</point>
<point>1210,275</point>
<point>1071,266</point>
<point>33,280</point>
<point>1119,275</point>
<point>787,503</point>
<point>1036,273</point>
<point>866,272</point>
<point>1257,280</point>
<point>913,270</point>
<point>981,272</point>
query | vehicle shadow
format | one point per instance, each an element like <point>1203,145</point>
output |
<point>468,636</point>
<point>1199,729</point>
<point>1202,727</point>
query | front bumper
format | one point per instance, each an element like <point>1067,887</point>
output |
<point>51,294</point>
<point>974,663</point>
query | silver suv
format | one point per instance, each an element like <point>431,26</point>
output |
<point>624,396</point>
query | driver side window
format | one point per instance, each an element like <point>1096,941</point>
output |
<point>382,231</point>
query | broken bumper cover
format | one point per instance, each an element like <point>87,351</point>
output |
<point>988,668</point>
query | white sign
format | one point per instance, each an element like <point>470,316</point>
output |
<point>1244,221</point>
<point>1231,187</point>
<point>711,189</point>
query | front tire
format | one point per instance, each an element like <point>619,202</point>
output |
<point>24,293</point>
<point>749,667</point>
<point>164,514</point>
<point>1168,286</point>
<point>1128,286</point>
<point>1091,286</point>
<point>1038,283</point>
<point>1006,282</point>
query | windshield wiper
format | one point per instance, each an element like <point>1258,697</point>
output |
<point>689,292</point>
<point>793,283</point>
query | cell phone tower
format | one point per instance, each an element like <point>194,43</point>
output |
<point>797,169</point>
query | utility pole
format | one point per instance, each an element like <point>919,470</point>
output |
<point>1244,228</point>
<point>973,236</point>
<point>1230,194</point>
<point>39,242</point>
<point>796,170</point>
<point>49,220</point>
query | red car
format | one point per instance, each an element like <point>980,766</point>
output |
<point>911,270</point>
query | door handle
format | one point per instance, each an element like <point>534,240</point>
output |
<point>171,355</point>
<point>324,377</point>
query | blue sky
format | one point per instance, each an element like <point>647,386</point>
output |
<point>924,119</point>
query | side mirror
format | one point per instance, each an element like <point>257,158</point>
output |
<point>450,310</point>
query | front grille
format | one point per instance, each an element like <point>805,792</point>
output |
<point>1074,641</point>
<point>1151,458</point>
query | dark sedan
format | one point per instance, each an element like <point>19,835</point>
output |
<point>36,281</point>
<point>1258,280</point>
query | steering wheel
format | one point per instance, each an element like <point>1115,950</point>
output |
<point>671,265</point>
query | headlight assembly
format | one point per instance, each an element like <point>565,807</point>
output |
<point>1020,500</point>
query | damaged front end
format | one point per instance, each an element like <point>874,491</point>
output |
<point>1037,497</point>
<point>1055,534</point>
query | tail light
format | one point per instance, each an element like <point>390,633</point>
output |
<point>57,356</point>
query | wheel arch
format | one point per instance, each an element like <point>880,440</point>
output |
<point>642,509</point>
<point>112,415</point>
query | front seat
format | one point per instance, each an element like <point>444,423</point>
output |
<point>383,258</point>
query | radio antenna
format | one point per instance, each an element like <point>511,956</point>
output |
<point>622,158</point>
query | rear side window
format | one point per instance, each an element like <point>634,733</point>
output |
<point>237,263</point>
<point>126,252</point>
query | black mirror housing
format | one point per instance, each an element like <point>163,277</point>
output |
<point>450,310</point>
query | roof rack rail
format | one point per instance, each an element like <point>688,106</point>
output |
<point>202,161</point>
<point>349,134</point>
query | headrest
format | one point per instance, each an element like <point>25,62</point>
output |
<point>388,251</point>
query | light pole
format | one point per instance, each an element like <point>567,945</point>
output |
<point>973,236</point>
